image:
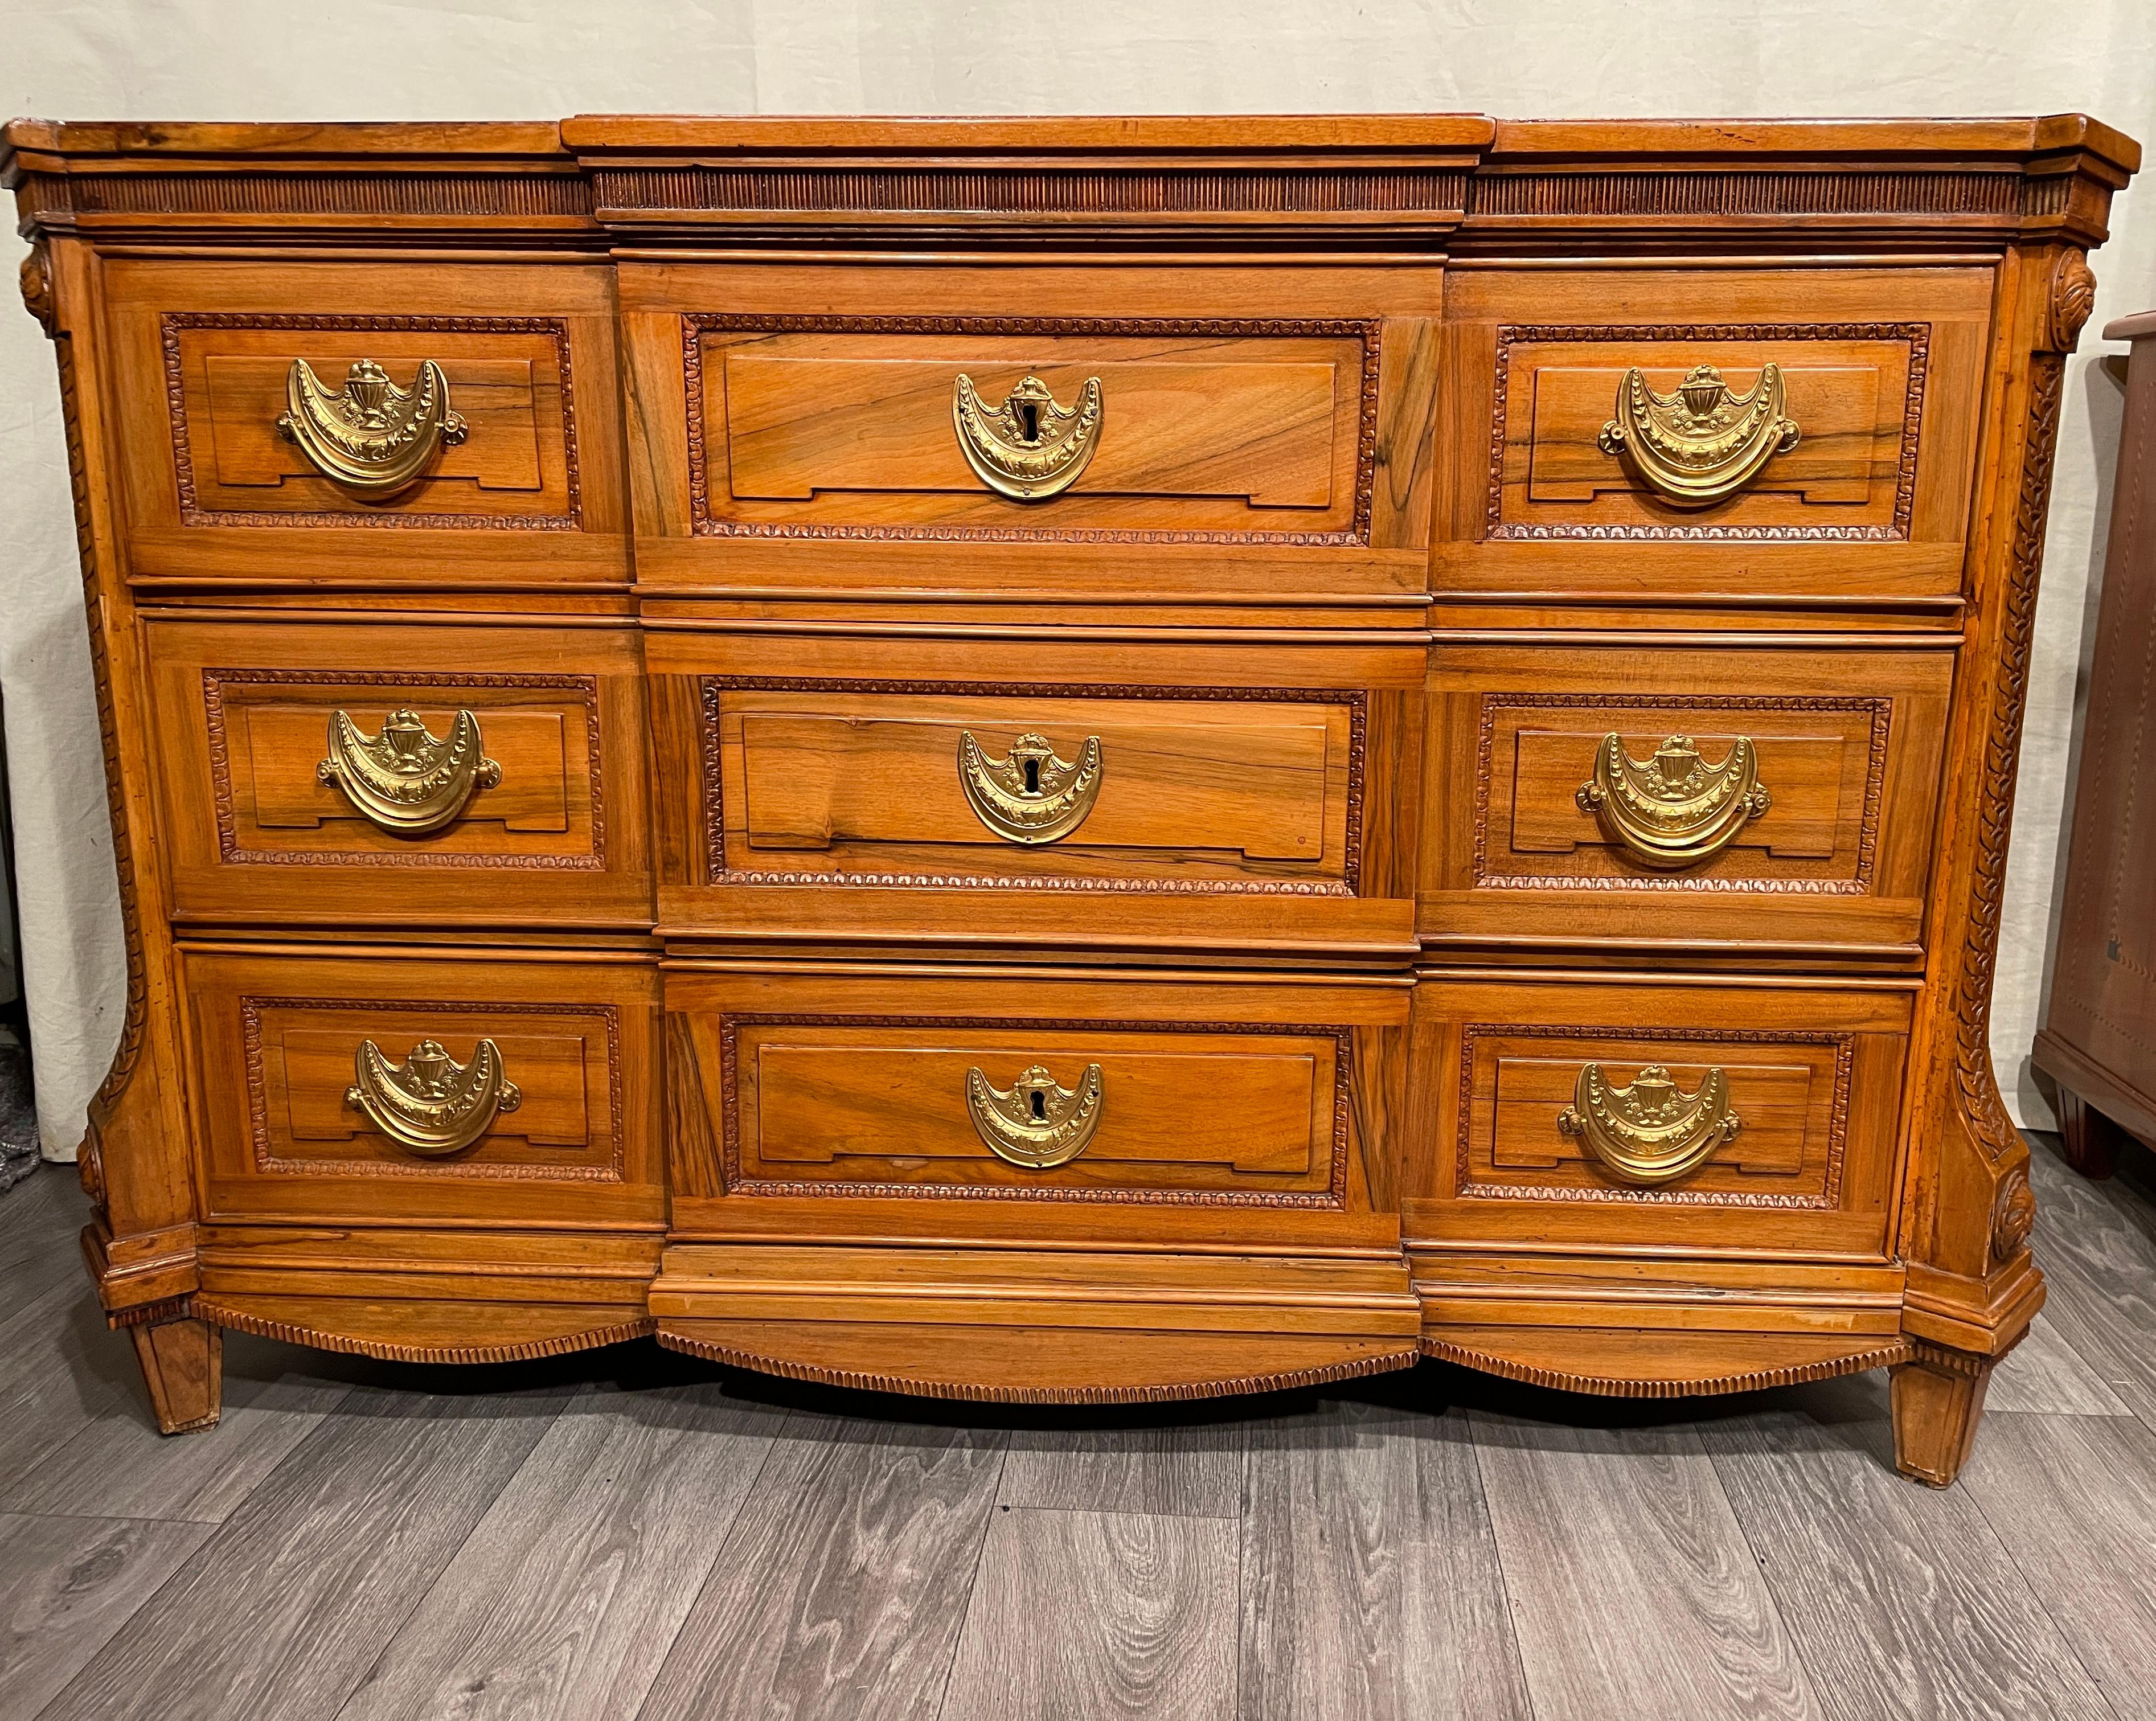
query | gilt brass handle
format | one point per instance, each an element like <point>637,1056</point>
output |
<point>402,778</point>
<point>1028,448</point>
<point>370,436</point>
<point>1703,443</point>
<point>432,1104</point>
<point>1037,1123</point>
<point>1652,1132</point>
<point>1675,809</point>
<point>1029,795</point>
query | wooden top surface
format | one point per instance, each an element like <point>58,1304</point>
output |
<point>1960,139</point>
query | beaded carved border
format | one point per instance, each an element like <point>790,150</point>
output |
<point>192,513</point>
<point>1333,1198</point>
<point>1827,1199</point>
<point>695,324</point>
<point>1918,336</point>
<point>1867,840</point>
<point>214,681</point>
<point>1357,702</point>
<point>257,1094</point>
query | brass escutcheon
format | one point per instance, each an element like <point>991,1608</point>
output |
<point>1029,795</point>
<point>370,436</point>
<point>1675,809</point>
<point>402,778</point>
<point>1704,442</point>
<point>1652,1132</point>
<point>1028,448</point>
<point>431,1103</point>
<point>1036,1123</point>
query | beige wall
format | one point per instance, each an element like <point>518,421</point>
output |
<point>258,59</point>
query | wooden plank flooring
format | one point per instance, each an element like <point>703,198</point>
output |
<point>630,1533</point>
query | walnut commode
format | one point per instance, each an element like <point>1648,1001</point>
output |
<point>1067,760</point>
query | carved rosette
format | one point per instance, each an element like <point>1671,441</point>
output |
<point>2013,1216</point>
<point>2073,297</point>
<point>37,283</point>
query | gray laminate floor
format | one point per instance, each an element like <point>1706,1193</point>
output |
<point>627,1534</point>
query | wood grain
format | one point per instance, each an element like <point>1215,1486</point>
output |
<point>1370,1577</point>
<point>1883,1586</point>
<point>67,1585</point>
<point>840,1589</point>
<point>1177,1469</point>
<point>1632,1588</point>
<point>563,1601</point>
<point>283,1610</point>
<point>1100,1615</point>
<point>2100,1247</point>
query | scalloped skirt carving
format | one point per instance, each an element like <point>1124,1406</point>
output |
<point>1669,1365</point>
<point>399,1331</point>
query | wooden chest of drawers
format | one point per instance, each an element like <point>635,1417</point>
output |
<point>1067,759</point>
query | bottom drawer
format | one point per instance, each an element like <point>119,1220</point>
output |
<point>427,1085</point>
<point>1744,1118</point>
<point>914,1087</point>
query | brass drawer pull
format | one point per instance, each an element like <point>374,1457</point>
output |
<point>1029,795</point>
<point>370,436</point>
<point>1037,1123</point>
<point>1673,809</point>
<point>1705,441</point>
<point>1028,448</point>
<point>432,1104</point>
<point>402,778</point>
<point>1652,1132</point>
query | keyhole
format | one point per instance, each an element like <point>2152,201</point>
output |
<point>1039,1107</point>
<point>1032,776</point>
<point>1028,420</point>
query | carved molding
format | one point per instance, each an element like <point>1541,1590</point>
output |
<point>696,324</point>
<point>583,688</point>
<point>1624,1386</point>
<point>368,194</point>
<point>1917,335</point>
<point>36,279</point>
<point>2072,298</point>
<point>1356,700</point>
<point>1974,1080</point>
<point>1829,1199</point>
<point>491,1016</point>
<point>1881,710</point>
<point>192,513</point>
<point>1231,1386</point>
<point>1333,1198</point>
<point>1717,195</point>
<point>208,1308</point>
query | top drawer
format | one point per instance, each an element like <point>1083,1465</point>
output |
<point>1787,434</point>
<point>1206,432</point>
<point>388,422</point>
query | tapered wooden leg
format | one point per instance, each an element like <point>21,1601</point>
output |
<point>2091,1139</point>
<point>183,1363</point>
<point>1938,1399</point>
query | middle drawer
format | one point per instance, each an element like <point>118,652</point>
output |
<point>1033,791</point>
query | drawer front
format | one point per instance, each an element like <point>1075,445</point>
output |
<point>416,1086</point>
<point>1745,1118</point>
<point>1088,411</point>
<point>1031,1090</point>
<point>395,775</point>
<point>1632,794</point>
<point>1147,792</point>
<point>1653,421</point>
<point>327,413</point>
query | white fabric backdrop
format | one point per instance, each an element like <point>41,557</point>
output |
<point>483,59</point>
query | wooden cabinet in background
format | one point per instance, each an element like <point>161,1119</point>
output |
<point>1068,761</point>
<point>2098,1041</point>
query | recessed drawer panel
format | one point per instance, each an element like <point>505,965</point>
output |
<point>1055,1089</point>
<point>1146,792</point>
<point>429,423</point>
<point>402,774</point>
<point>410,1086</point>
<point>1241,431</point>
<point>1750,1117</point>
<point>1732,800</point>
<point>1629,431</point>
